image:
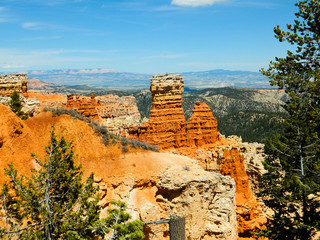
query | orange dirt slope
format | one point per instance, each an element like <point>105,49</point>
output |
<point>19,138</point>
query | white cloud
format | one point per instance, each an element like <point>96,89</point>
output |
<point>195,3</point>
<point>4,20</point>
<point>19,59</point>
<point>13,66</point>
<point>36,25</point>
<point>32,25</point>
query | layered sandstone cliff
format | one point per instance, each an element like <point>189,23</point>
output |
<point>167,126</point>
<point>13,82</point>
<point>201,127</point>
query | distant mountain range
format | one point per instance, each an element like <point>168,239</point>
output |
<point>110,78</point>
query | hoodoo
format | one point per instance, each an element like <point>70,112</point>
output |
<point>167,126</point>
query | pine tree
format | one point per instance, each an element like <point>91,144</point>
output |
<point>16,106</point>
<point>53,203</point>
<point>291,185</point>
<point>118,226</point>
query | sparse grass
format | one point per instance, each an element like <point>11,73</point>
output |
<point>103,131</point>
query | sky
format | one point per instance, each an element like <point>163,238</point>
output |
<point>141,36</point>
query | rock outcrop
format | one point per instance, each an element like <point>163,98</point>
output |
<point>167,126</point>
<point>249,210</point>
<point>83,105</point>
<point>118,113</point>
<point>253,157</point>
<point>201,127</point>
<point>153,185</point>
<point>19,83</point>
<point>205,199</point>
<point>30,106</point>
<point>13,82</point>
<point>115,113</point>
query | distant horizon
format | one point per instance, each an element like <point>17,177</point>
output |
<point>90,71</point>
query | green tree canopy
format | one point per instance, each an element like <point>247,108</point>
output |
<point>16,106</point>
<point>291,186</point>
<point>53,203</point>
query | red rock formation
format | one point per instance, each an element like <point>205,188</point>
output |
<point>167,126</point>
<point>201,127</point>
<point>83,105</point>
<point>249,211</point>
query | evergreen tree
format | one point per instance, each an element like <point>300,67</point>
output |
<point>53,203</point>
<point>291,185</point>
<point>16,106</point>
<point>117,226</point>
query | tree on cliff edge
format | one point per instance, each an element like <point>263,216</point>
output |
<point>16,106</point>
<point>291,185</point>
<point>53,203</point>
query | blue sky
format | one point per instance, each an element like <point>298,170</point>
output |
<point>142,36</point>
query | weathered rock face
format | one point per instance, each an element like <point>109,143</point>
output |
<point>232,159</point>
<point>253,157</point>
<point>167,126</point>
<point>198,138</point>
<point>118,113</point>
<point>201,127</point>
<point>83,105</point>
<point>249,211</point>
<point>30,106</point>
<point>167,99</point>
<point>205,199</point>
<point>13,82</point>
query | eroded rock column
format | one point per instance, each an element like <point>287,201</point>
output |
<point>167,98</point>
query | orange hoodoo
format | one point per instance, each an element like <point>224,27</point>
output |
<point>167,126</point>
